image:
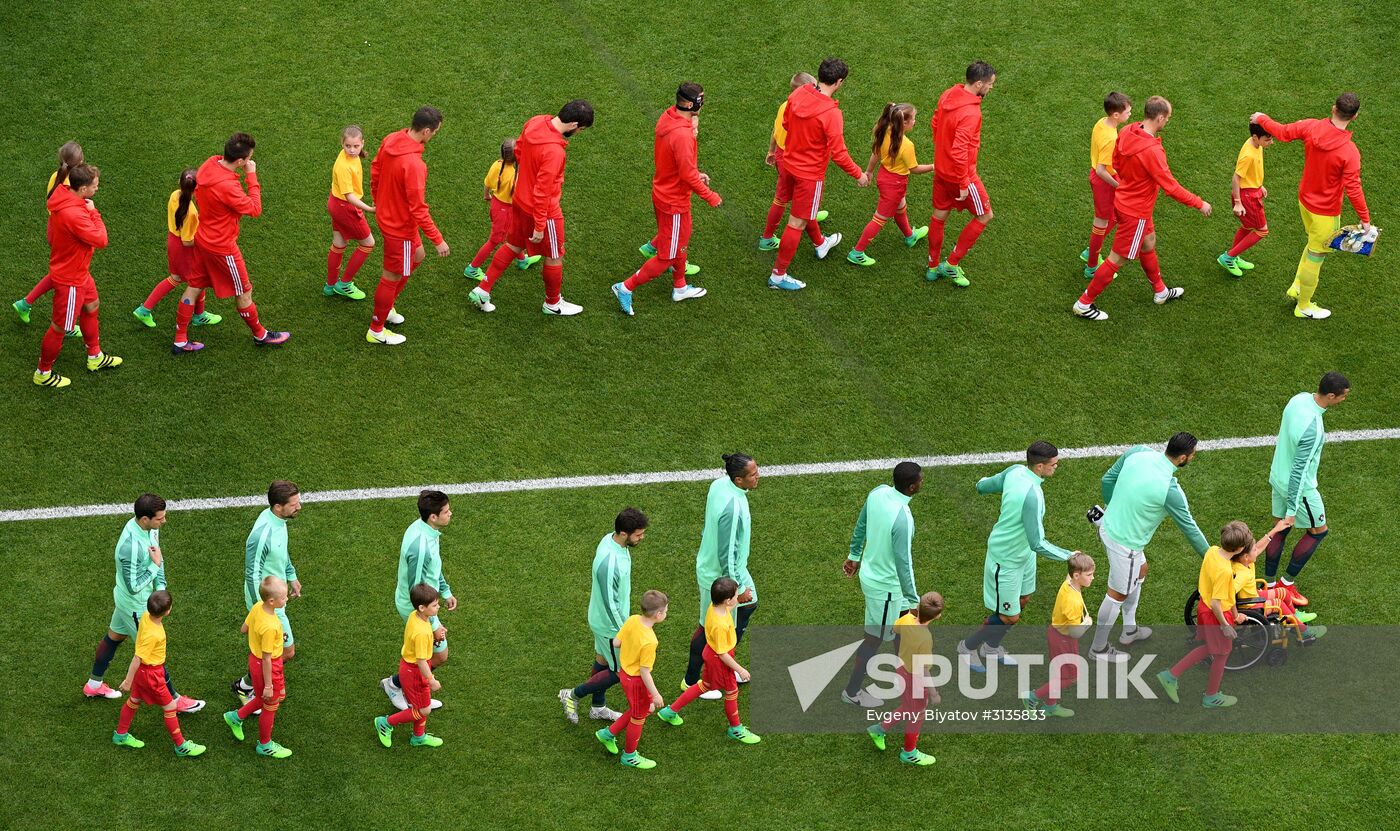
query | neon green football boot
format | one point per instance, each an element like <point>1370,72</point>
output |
<point>126,740</point>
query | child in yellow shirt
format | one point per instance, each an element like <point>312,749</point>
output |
<point>636,643</point>
<point>499,194</point>
<point>1248,192</point>
<point>894,151</point>
<point>722,672</point>
<point>145,679</point>
<point>1068,623</point>
<point>915,652</point>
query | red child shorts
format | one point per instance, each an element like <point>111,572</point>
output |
<point>225,273</point>
<point>1253,219</point>
<point>945,196</point>
<point>149,687</point>
<point>1132,232</point>
<point>279,685</point>
<point>1103,196</point>
<point>68,302</point>
<point>402,256</point>
<point>500,219</point>
<point>716,675</point>
<point>415,687</point>
<point>346,219</point>
<point>638,699</point>
<point>179,258</point>
<point>1209,630</point>
<point>892,188</point>
<point>522,227</point>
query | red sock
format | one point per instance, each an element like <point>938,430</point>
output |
<point>384,296</point>
<point>1239,235</point>
<point>911,737</point>
<point>678,272</point>
<point>936,227</point>
<point>403,716</point>
<point>770,225</point>
<point>619,724</point>
<point>814,233</point>
<point>399,286</point>
<point>44,286</point>
<point>966,240</point>
<point>872,229</point>
<point>250,317</point>
<point>1103,275</point>
<point>157,294</point>
<point>646,273</point>
<point>183,313</point>
<point>254,704</point>
<point>1153,270</point>
<point>357,259</point>
<point>502,260</point>
<point>172,726</point>
<point>333,261</point>
<point>731,707</point>
<point>634,734</point>
<point>420,726</point>
<point>1217,672</point>
<point>128,713</point>
<point>901,219</point>
<point>787,248</point>
<point>553,283</point>
<point>87,324</point>
<point>1192,658</point>
<point>483,252</point>
<point>691,693</point>
<point>1096,238</point>
<point>1243,245</point>
<point>265,719</point>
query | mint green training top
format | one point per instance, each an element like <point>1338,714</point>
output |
<point>1141,490</point>
<point>265,555</point>
<point>883,544</point>
<point>1019,532</point>
<point>137,573</point>
<point>420,561</point>
<point>724,543</point>
<point>1298,451</point>
<point>610,600</point>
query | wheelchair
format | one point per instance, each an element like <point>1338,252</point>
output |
<point>1266,633</point>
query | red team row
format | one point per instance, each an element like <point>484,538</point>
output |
<point>1128,170</point>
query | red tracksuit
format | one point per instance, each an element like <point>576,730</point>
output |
<point>957,137</point>
<point>1331,164</point>
<point>222,203</point>
<point>398,182</point>
<point>815,137</point>
<point>74,232</point>
<point>675,179</point>
<point>539,182</point>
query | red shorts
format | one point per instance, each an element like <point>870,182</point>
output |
<point>279,686</point>
<point>716,675</point>
<point>945,197</point>
<point>225,273</point>
<point>500,219</point>
<point>1103,196</point>
<point>401,256</point>
<point>415,688</point>
<point>149,687</point>
<point>784,192</point>
<point>638,699</point>
<point>179,258</point>
<point>892,189</point>
<point>346,219</point>
<point>1208,629</point>
<point>672,233</point>
<point>805,195</point>
<point>1128,238</point>
<point>1253,219</point>
<point>522,227</point>
<point>68,301</point>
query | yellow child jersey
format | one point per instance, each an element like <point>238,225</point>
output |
<point>1101,144</point>
<point>1244,584</point>
<point>1250,165</point>
<point>150,641</point>
<point>915,640</point>
<point>904,161</point>
<point>1217,580</point>
<point>347,177</point>
<point>637,646</point>
<point>719,630</point>
<point>417,639</point>
<point>264,632</point>
<point>184,232</point>
<point>1069,608</point>
<point>780,132</point>
<point>500,180</point>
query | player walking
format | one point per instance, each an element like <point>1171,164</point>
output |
<point>676,178</point>
<point>420,562</point>
<point>957,136</point>
<point>1139,490</point>
<point>1293,479</point>
<point>265,555</point>
<point>1331,165</point>
<point>537,221</point>
<point>1009,572</point>
<point>399,181</point>
<point>1141,163</point>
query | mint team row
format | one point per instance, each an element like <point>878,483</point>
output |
<point>1140,490</point>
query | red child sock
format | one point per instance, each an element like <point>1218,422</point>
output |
<point>403,716</point>
<point>246,711</point>
<point>775,215</point>
<point>199,304</point>
<point>357,259</point>
<point>250,316</point>
<point>183,313</point>
<point>872,229</point>
<point>691,693</point>
<point>787,249</point>
<point>482,253</point>
<point>966,240</point>
<point>1243,244</point>
<point>901,219</point>
<point>128,713</point>
<point>814,233</point>
<point>1096,238</point>
<point>265,719</point>
<point>731,707</point>
<point>172,726</point>
<point>634,734</point>
<point>158,293</point>
<point>333,261</point>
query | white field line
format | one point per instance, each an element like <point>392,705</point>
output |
<point>662,477</point>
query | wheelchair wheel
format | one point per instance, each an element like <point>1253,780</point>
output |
<point>1190,612</point>
<point>1276,657</point>
<point>1252,642</point>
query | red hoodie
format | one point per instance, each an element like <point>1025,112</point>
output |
<point>1331,163</point>
<point>222,203</point>
<point>676,174</point>
<point>74,231</point>
<point>815,135</point>
<point>957,135</point>
<point>398,180</point>
<point>1141,163</point>
<point>540,178</point>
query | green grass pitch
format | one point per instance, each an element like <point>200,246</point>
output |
<point>864,363</point>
